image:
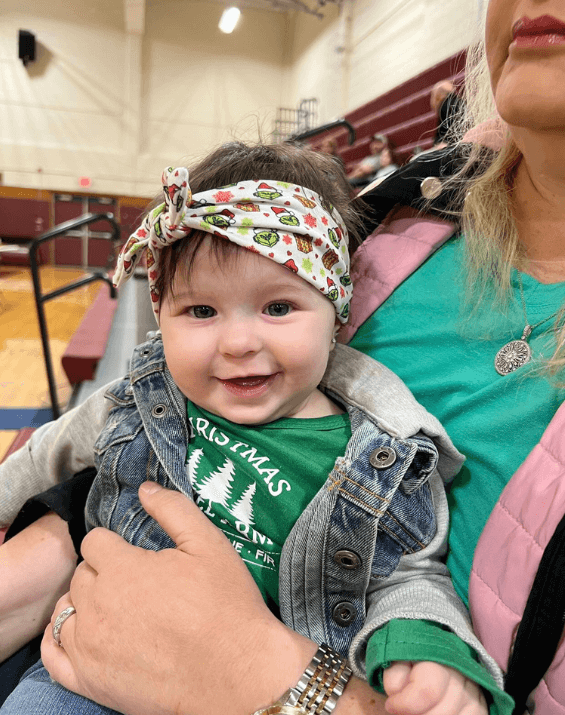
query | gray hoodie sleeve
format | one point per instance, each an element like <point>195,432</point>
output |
<point>54,452</point>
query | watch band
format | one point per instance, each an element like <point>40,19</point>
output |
<point>319,687</point>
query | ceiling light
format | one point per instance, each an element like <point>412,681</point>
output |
<point>229,19</point>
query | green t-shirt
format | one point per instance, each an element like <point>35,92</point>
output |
<point>254,481</point>
<point>448,364</point>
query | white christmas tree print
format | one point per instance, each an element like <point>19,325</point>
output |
<point>217,486</point>
<point>192,465</point>
<point>242,510</point>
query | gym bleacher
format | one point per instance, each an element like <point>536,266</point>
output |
<point>402,114</point>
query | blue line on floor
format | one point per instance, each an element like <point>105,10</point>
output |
<point>18,417</point>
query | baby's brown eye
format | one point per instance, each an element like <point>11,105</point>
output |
<point>278,310</point>
<point>202,311</point>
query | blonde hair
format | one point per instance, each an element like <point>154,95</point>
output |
<point>485,188</point>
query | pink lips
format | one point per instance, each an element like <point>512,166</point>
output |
<point>537,33</point>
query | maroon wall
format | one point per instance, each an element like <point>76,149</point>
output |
<point>26,214</point>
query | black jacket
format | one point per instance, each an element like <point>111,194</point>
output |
<point>404,187</point>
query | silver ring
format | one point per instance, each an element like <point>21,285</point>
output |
<point>61,618</point>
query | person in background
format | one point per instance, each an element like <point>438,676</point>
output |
<point>364,172</point>
<point>329,146</point>
<point>388,163</point>
<point>388,167</point>
<point>448,107</point>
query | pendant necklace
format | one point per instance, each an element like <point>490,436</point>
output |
<point>517,353</point>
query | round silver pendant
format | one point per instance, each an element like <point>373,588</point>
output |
<point>512,356</point>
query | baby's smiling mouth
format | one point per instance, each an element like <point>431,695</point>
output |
<point>250,385</point>
<point>248,380</point>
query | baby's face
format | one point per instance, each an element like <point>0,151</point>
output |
<point>248,339</point>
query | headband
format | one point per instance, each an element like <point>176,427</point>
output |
<point>278,220</point>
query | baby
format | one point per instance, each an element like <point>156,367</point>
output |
<point>314,460</point>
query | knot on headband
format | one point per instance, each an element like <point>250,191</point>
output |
<point>279,220</point>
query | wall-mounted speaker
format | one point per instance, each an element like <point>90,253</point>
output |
<point>26,46</point>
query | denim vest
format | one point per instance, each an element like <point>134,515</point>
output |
<point>375,507</point>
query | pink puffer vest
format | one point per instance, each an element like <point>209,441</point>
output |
<point>533,502</point>
<point>523,521</point>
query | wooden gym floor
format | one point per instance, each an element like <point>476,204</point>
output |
<point>23,380</point>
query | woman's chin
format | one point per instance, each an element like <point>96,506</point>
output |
<point>525,101</point>
<point>534,113</point>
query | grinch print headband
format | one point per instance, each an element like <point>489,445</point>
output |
<point>278,220</point>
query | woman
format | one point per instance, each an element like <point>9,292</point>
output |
<point>456,313</point>
<point>388,163</point>
<point>476,328</point>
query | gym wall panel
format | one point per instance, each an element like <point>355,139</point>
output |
<point>394,40</point>
<point>23,218</point>
<point>24,215</point>
<point>60,117</point>
<point>101,207</point>
<point>203,87</point>
<point>315,62</point>
<point>60,129</point>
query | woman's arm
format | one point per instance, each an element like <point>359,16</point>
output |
<point>36,566</point>
<point>185,629</point>
<point>39,558</point>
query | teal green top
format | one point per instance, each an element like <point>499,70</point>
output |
<point>448,364</point>
<point>254,481</point>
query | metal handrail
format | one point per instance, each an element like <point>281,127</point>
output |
<point>41,298</point>
<point>324,128</point>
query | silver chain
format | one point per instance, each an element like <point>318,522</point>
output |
<point>528,329</point>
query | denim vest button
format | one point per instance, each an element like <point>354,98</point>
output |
<point>347,559</point>
<point>382,457</point>
<point>159,411</point>
<point>344,613</point>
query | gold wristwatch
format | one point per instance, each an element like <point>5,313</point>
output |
<point>319,688</point>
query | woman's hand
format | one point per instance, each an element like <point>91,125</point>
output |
<point>182,630</point>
